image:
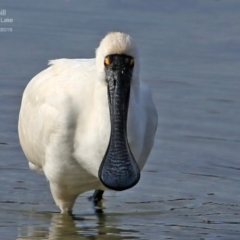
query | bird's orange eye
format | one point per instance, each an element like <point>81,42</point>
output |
<point>131,62</point>
<point>106,61</point>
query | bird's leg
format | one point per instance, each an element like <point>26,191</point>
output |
<point>63,199</point>
<point>96,197</point>
<point>96,200</point>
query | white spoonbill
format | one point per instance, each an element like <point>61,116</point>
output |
<point>89,124</point>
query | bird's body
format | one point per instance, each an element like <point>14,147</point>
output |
<point>65,126</point>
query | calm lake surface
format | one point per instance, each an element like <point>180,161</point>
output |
<point>190,55</point>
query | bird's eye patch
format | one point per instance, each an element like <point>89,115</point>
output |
<point>106,61</point>
<point>131,63</point>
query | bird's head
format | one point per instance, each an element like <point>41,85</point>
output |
<point>117,44</point>
<point>117,65</point>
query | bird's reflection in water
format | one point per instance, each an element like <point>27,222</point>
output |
<point>62,227</point>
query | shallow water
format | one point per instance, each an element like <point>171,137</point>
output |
<point>190,56</point>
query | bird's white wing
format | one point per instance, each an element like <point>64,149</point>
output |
<point>46,106</point>
<point>151,122</point>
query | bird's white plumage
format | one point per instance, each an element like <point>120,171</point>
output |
<point>64,122</point>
